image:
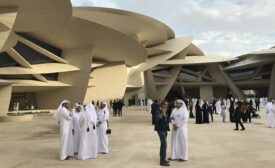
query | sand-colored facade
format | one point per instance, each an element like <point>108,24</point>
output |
<point>51,51</point>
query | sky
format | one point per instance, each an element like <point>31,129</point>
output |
<point>218,27</point>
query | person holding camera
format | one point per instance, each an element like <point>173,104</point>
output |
<point>162,128</point>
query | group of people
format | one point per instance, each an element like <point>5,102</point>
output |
<point>83,130</point>
<point>117,106</point>
<point>178,117</point>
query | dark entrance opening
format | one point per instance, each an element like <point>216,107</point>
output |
<point>23,101</point>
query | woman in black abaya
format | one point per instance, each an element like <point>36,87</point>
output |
<point>198,113</point>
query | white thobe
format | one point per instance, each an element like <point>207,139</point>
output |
<point>228,103</point>
<point>141,104</point>
<point>179,147</point>
<point>149,105</point>
<point>88,138</point>
<point>224,101</point>
<point>261,102</point>
<point>76,128</point>
<point>270,115</point>
<point>102,136</point>
<point>218,107</point>
<point>66,142</point>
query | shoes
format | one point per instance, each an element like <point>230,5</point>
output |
<point>242,129</point>
<point>236,129</point>
<point>164,164</point>
<point>181,160</point>
<point>171,159</point>
<point>166,161</point>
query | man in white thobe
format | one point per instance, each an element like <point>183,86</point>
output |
<point>66,131</point>
<point>270,114</point>
<point>88,137</point>
<point>141,104</point>
<point>102,126</point>
<point>149,105</point>
<point>179,118</point>
<point>77,110</point>
<point>218,107</point>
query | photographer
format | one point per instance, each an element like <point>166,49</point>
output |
<point>162,127</point>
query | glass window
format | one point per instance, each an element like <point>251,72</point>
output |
<point>42,44</point>
<point>32,56</point>
<point>158,79</point>
<point>7,61</point>
<point>17,77</point>
<point>51,76</point>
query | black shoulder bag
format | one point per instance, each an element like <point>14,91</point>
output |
<point>108,131</point>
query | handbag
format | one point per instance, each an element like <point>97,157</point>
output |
<point>108,131</point>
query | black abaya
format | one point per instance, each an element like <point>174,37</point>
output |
<point>198,114</point>
<point>205,113</point>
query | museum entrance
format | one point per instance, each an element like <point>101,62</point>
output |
<point>23,101</point>
<point>176,92</point>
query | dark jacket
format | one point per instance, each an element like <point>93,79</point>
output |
<point>237,112</point>
<point>154,108</point>
<point>161,122</point>
<point>119,105</point>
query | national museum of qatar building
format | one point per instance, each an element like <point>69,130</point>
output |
<point>50,51</point>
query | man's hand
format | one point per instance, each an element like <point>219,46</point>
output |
<point>175,127</point>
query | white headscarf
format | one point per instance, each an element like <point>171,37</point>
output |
<point>57,113</point>
<point>183,107</point>
<point>90,109</point>
<point>75,106</point>
<point>106,109</point>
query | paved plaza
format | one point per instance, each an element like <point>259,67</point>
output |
<point>134,144</point>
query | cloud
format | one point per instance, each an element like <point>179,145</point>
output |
<point>218,27</point>
<point>233,44</point>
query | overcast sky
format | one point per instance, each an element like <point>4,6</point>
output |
<point>218,27</point>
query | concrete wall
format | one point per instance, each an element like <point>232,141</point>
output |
<point>272,83</point>
<point>5,93</point>
<point>81,58</point>
<point>220,92</point>
<point>133,92</point>
<point>235,89</point>
<point>206,92</point>
<point>107,82</point>
<point>163,90</point>
<point>150,86</point>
